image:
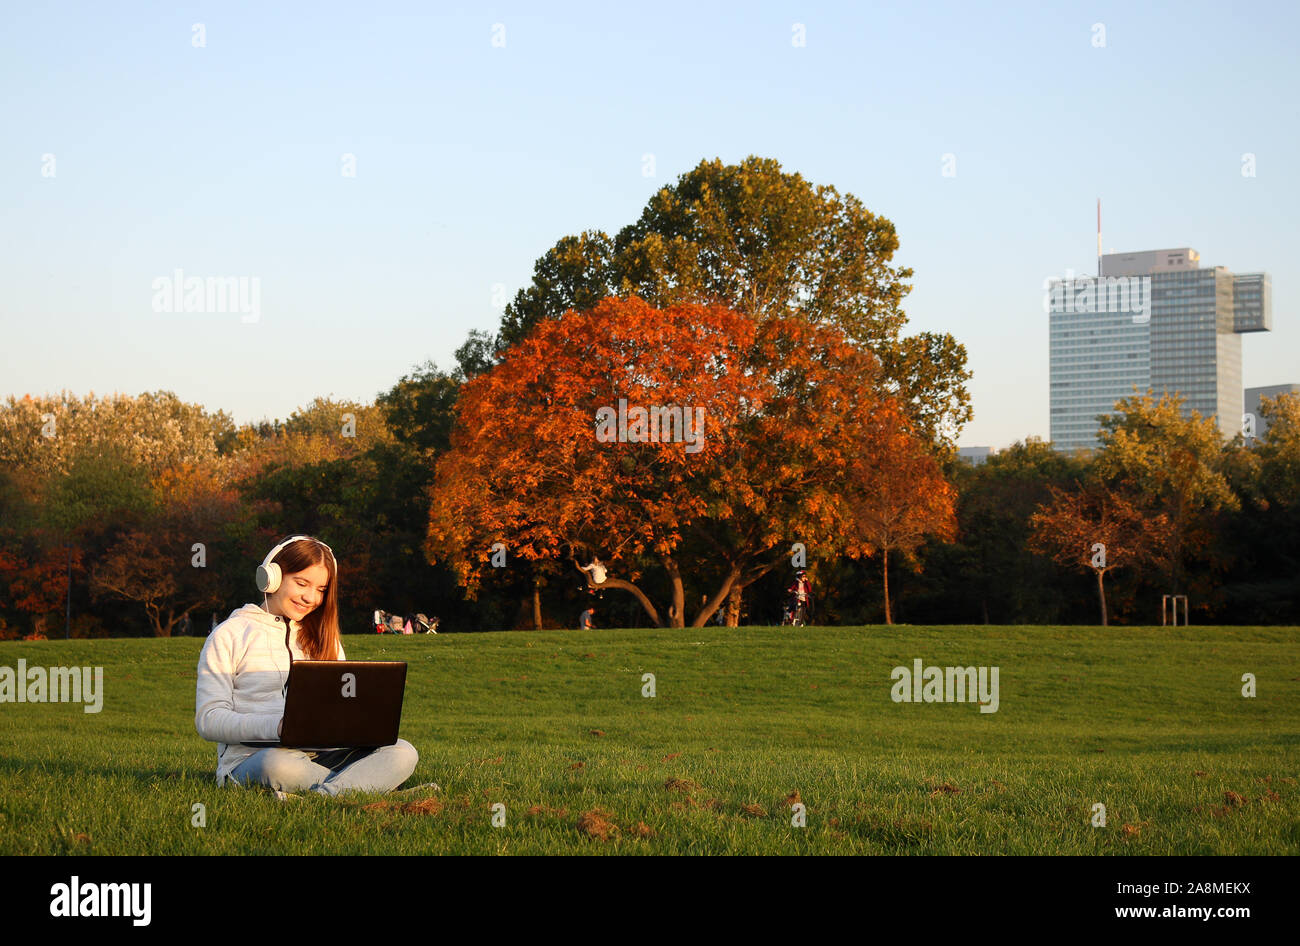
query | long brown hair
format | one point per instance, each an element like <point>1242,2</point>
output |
<point>320,629</point>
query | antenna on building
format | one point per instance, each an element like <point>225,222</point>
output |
<point>1098,237</point>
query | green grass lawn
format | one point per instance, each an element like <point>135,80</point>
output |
<point>553,725</point>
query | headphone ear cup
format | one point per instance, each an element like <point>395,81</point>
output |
<point>268,578</point>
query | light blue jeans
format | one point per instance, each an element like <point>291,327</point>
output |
<point>343,770</point>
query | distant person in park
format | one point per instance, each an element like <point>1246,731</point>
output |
<point>243,674</point>
<point>586,620</point>
<point>380,623</point>
<point>800,593</point>
<point>598,573</point>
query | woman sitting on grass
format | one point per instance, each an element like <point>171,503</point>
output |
<point>244,670</point>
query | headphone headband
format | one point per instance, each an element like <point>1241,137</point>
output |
<point>268,573</point>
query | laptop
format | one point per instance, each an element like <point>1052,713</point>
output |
<point>341,704</point>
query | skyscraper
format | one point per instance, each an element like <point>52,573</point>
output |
<point>1153,319</point>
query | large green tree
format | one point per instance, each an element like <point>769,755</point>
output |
<point>768,244</point>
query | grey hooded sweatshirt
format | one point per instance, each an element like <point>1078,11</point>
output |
<point>242,672</point>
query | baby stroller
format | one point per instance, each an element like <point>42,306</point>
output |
<point>386,623</point>
<point>423,625</point>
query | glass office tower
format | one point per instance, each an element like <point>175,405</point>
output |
<point>1190,342</point>
<point>1096,359</point>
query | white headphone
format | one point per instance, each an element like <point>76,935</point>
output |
<point>269,575</point>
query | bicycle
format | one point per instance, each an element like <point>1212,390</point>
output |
<point>798,615</point>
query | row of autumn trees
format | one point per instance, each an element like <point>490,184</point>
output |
<point>116,500</point>
<point>743,295</point>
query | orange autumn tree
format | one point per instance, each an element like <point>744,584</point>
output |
<point>531,467</point>
<point>526,468</point>
<point>786,476</point>
<point>898,496</point>
<point>1100,530</point>
<point>34,578</point>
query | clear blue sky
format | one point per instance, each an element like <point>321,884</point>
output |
<point>473,159</point>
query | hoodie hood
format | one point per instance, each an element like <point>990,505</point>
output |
<point>263,618</point>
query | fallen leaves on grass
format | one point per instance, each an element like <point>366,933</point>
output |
<point>1233,799</point>
<point>684,785</point>
<point>537,810</point>
<point>754,810</point>
<point>1199,774</point>
<point>595,823</point>
<point>1270,795</point>
<point>600,824</point>
<point>671,756</point>
<point>423,806</point>
<point>794,798</point>
<point>941,788</point>
<point>1135,830</point>
<point>597,732</point>
<point>577,765</point>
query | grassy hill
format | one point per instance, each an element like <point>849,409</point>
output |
<point>553,725</point>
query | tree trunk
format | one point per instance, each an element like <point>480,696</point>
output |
<point>889,618</point>
<point>1101,593</point>
<point>706,612</point>
<point>537,606</point>
<point>677,612</point>
<point>67,623</point>
<point>733,606</point>
<point>155,618</point>
<point>638,594</point>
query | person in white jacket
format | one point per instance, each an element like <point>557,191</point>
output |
<point>244,668</point>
